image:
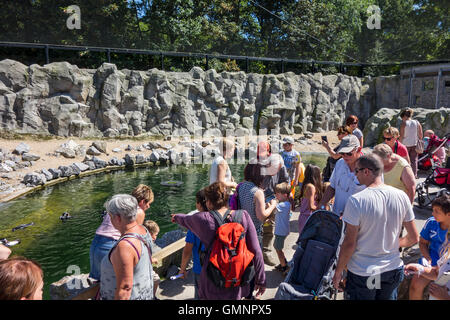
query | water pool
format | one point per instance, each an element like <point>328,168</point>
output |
<point>58,245</point>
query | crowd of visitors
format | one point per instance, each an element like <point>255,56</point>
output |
<point>371,191</point>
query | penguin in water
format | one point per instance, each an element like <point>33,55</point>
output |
<point>65,216</point>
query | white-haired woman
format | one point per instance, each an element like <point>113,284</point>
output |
<point>126,272</point>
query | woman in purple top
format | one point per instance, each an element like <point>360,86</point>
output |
<point>204,226</point>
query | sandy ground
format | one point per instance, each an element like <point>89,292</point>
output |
<point>46,149</point>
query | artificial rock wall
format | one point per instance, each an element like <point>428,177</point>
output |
<point>61,99</point>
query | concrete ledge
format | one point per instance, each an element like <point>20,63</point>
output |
<point>169,255</point>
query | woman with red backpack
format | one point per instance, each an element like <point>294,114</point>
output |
<point>213,228</point>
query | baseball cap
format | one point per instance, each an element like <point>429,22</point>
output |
<point>289,140</point>
<point>348,144</point>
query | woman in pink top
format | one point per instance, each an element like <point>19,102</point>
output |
<point>310,194</point>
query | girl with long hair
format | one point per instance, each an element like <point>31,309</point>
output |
<point>310,194</point>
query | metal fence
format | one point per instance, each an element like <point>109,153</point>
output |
<point>358,69</point>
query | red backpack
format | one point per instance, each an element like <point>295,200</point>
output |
<point>230,263</point>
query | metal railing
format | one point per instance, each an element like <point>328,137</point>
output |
<point>314,65</point>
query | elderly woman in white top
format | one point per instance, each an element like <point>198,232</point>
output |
<point>220,171</point>
<point>126,271</point>
<point>410,133</point>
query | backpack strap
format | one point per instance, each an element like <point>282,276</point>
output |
<point>136,236</point>
<point>218,217</point>
<point>396,146</point>
<point>238,216</point>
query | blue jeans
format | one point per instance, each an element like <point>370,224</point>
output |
<point>381,287</point>
<point>99,248</point>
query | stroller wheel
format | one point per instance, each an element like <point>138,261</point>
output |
<point>424,196</point>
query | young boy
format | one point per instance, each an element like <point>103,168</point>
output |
<point>291,159</point>
<point>153,229</point>
<point>431,239</point>
<point>282,217</point>
<point>293,163</point>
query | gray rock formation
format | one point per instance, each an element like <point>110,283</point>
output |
<point>81,166</point>
<point>66,171</point>
<point>48,175</point>
<point>93,151</point>
<point>30,157</point>
<point>61,99</point>
<point>21,149</point>
<point>4,168</point>
<point>100,146</point>
<point>33,179</point>
<point>56,173</point>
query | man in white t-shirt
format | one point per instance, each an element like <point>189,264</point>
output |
<point>374,219</point>
<point>343,181</point>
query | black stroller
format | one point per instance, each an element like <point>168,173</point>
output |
<point>312,268</point>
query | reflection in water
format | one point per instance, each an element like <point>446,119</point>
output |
<point>57,244</point>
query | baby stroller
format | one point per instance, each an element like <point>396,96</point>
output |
<point>428,158</point>
<point>312,268</point>
<point>437,182</point>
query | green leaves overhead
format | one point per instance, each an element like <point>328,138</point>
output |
<point>298,29</point>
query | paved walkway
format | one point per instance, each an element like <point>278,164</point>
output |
<point>183,289</point>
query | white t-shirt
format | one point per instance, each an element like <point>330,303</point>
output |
<point>379,213</point>
<point>410,134</point>
<point>345,183</point>
<point>213,172</point>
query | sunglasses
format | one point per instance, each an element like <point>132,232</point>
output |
<point>388,139</point>
<point>348,154</point>
<point>359,169</point>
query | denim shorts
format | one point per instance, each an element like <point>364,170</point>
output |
<point>378,287</point>
<point>99,249</point>
<point>278,243</point>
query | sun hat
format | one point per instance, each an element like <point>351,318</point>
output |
<point>289,140</point>
<point>348,144</point>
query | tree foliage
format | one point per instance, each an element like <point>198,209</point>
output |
<point>334,30</point>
